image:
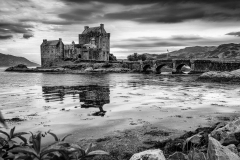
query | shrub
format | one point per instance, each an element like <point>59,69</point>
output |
<point>33,150</point>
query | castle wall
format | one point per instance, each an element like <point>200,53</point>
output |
<point>85,55</point>
<point>51,54</point>
<point>69,51</point>
<point>84,39</point>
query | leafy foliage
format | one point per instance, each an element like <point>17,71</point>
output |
<point>32,149</point>
<point>136,57</point>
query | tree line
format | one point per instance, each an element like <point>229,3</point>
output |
<point>136,57</point>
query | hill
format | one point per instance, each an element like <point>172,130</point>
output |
<point>188,52</point>
<point>223,51</point>
<point>226,51</point>
<point>10,60</point>
<point>193,52</point>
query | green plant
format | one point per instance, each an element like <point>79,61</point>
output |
<point>89,152</point>
<point>56,137</point>
<point>33,150</point>
<point>2,121</point>
<point>9,141</point>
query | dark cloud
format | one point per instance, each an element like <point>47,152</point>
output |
<point>146,45</point>
<point>53,22</point>
<point>186,38</point>
<point>27,35</point>
<point>3,37</point>
<point>156,43</point>
<point>15,27</point>
<point>173,38</point>
<point>80,15</point>
<point>163,11</point>
<point>175,13</point>
<point>228,3</point>
<point>234,34</point>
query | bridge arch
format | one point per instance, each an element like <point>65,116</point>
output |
<point>146,67</point>
<point>180,66</point>
<point>159,67</point>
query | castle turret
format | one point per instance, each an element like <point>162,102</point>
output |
<point>102,27</point>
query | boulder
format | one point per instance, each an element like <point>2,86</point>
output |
<point>23,66</point>
<point>228,134</point>
<point>218,152</point>
<point>233,148</point>
<point>196,155</point>
<point>192,141</point>
<point>178,156</point>
<point>238,147</point>
<point>19,67</point>
<point>88,69</point>
<point>155,154</point>
<point>59,69</point>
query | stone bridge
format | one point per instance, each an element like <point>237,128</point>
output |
<point>196,65</point>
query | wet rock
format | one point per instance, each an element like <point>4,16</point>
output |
<point>233,76</point>
<point>196,155</point>
<point>194,140</point>
<point>233,148</point>
<point>238,147</point>
<point>178,156</point>
<point>59,69</point>
<point>157,133</point>
<point>17,68</point>
<point>227,134</point>
<point>155,154</point>
<point>14,120</point>
<point>89,69</point>
<point>218,152</point>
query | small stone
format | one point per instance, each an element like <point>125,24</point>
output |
<point>178,156</point>
<point>155,154</point>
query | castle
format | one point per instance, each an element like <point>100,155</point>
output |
<point>94,44</point>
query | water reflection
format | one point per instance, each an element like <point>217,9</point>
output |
<point>91,96</point>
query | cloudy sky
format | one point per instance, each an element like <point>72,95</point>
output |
<point>142,26</point>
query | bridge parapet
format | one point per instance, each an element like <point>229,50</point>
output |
<point>196,65</point>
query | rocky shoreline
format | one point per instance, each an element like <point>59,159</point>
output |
<point>222,77</point>
<point>219,142</point>
<point>70,69</point>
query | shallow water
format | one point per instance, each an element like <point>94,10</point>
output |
<point>93,105</point>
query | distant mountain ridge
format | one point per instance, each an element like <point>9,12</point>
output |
<point>226,51</point>
<point>10,60</point>
<point>186,53</point>
<point>223,51</point>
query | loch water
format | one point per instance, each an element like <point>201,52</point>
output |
<point>93,104</point>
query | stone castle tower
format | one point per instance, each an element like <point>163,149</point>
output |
<point>96,43</point>
<point>51,52</point>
